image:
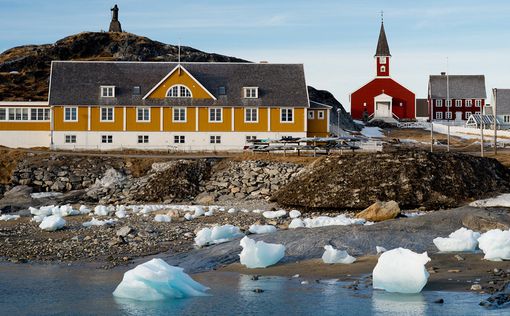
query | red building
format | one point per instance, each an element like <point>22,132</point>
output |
<point>383,98</point>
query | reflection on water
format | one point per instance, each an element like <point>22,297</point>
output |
<point>50,289</point>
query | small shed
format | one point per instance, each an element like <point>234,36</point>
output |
<point>487,120</point>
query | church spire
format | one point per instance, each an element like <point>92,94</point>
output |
<point>383,48</point>
<point>115,24</point>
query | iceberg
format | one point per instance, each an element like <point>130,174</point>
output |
<point>217,235</point>
<point>401,270</point>
<point>274,214</point>
<point>495,244</point>
<point>460,240</point>
<point>162,218</point>
<point>294,214</point>
<point>262,229</point>
<point>296,222</point>
<point>332,255</point>
<point>260,254</point>
<point>52,223</point>
<point>157,280</point>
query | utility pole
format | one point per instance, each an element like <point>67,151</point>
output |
<point>481,133</point>
<point>448,101</point>
<point>495,121</point>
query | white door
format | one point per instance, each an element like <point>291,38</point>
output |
<point>382,109</point>
<point>458,116</point>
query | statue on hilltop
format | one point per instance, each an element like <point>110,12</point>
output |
<point>115,24</point>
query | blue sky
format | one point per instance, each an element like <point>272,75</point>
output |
<point>334,39</point>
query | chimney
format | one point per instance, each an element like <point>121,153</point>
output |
<point>443,73</point>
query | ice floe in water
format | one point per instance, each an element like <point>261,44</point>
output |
<point>502,200</point>
<point>52,223</point>
<point>96,222</point>
<point>274,214</point>
<point>495,244</point>
<point>332,255</point>
<point>258,254</point>
<point>462,239</point>
<point>262,229</point>
<point>157,280</point>
<point>7,217</point>
<point>401,270</point>
<point>162,218</point>
<point>217,235</point>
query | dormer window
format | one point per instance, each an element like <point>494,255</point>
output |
<point>107,91</point>
<point>137,90</point>
<point>222,90</point>
<point>178,91</point>
<point>251,92</point>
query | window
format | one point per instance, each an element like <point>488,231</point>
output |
<point>137,90</point>
<point>106,139</point>
<point>320,115</point>
<point>18,114</point>
<point>106,114</point>
<point>286,115</point>
<point>478,113</point>
<point>178,91</point>
<point>383,68</point>
<point>439,103</point>
<point>448,103</point>
<point>251,115</point>
<point>222,90</point>
<point>251,138</point>
<point>70,139</point>
<point>439,115</point>
<point>251,92</point>
<point>506,118</point>
<point>458,103</point>
<point>143,114</point>
<point>3,114</point>
<point>469,103</point>
<point>70,114</point>
<point>143,139</point>
<point>107,91</point>
<point>468,114</point>
<point>478,103</point>
<point>311,115</point>
<point>39,114</point>
<point>179,139</point>
<point>215,139</point>
<point>179,115</point>
<point>215,115</point>
<point>448,115</point>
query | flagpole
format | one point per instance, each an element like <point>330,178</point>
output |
<point>449,116</point>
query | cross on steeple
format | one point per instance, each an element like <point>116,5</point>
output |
<point>382,16</point>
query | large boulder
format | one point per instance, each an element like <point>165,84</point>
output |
<point>380,211</point>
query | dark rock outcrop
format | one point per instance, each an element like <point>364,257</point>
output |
<point>411,178</point>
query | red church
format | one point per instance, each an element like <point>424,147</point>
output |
<point>383,98</point>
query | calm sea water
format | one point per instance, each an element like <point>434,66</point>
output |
<point>60,290</point>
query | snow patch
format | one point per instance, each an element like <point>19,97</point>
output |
<point>401,270</point>
<point>217,235</point>
<point>502,200</point>
<point>262,229</point>
<point>258,254</point>
<point>40,195</point>
<point>372,132</point>
<point>340,220</point>
<point>462,239</point>
<point>495,244</point>
<point>332,255</point>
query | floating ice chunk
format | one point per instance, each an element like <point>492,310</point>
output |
<point>294,214</point>
<point>96,222</point>
<point>460,240</point>
<point>156,280</point>
<point>217,235</point>
<point>274,214</point>
<point>502,200</point>
<point>332,255</point>
<point>296,222</point>
<point>341,220</point>
<point>260,254</point>
<point>262,229</point>
<point>401,270</point>
<point>101,210</point>
<point>380,249</point>
<point>162,218</point>
<point>495,244</point>
<point>52,223</point>
<point>7,217</point>
<point>188,216</point>
<point>65,210</point>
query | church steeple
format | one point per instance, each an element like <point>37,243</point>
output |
<point>115,24</point>
<point>382,53</point>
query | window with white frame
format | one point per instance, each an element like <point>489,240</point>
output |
<point>214,139</point>
<point>320,115</point>
<point>18,114</point>
<point>250,138</point>
<point>506,118</point>
<point>439,103</point>
<point>477,112</point>
<point>107,114</point>
<point>448,115</point>
<point>143,114</point>
<point>179,115</point>
<point>448,103</point>
<point>70,114</point>
<point>311,115</point>
<point>468,114</point>
<point>458,103</point>
<point>179,139</point>
<point>439,115</point>
<point>251,92</point>
<point>107,139</point>
<point>70,139</point>
<point>215,115</point>
<point>251,115</point>
<point>108,91</point>
<point>143,139</point>
<point>287,115</point>
<point>469,103</point>
<point>179,91</point>
<point>37,114</point>
<point>3,114</point>
<point>478,103</point>
<point>382,60</point>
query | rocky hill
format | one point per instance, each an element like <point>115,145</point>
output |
<point>24,70</point>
